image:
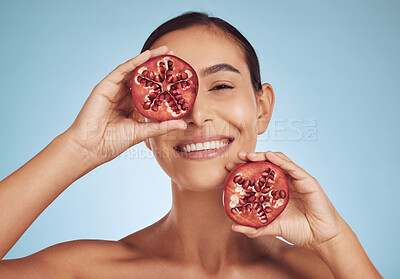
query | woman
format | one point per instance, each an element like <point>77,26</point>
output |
<point>195,239</point>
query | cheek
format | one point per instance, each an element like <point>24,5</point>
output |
<point>240,111</point>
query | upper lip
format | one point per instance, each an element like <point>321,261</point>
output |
<point>201,139</point>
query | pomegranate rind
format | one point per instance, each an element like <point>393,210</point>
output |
<point>140,93</point>
<point>253,170</point>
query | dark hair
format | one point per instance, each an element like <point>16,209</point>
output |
<point>190,19</point>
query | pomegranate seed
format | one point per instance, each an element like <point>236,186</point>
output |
<point>265,190</point>
<point>268,209</point>
<point>252,182</point>
<point>248,207</point>
<point>264,174</point>
<point>245,184</point>
<point>152,95</point>
<point>145,72</point>
<point>235,210</point>
<point>154,108</point>
<point>282,194</point>
<point>146,105</point>
<point>242,201</point>
<point>184,75</point>
<point>236,178</point>
<point>262,179</point>
<point>251,199</point>
<point>257,188</point>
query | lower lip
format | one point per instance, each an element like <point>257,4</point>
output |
<point>205,154</point>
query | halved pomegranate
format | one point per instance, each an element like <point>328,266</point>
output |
<point>164,88</point>
<point>255,193</point>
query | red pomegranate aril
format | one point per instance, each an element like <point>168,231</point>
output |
<point>245,184</point>
<point>235,210</point>
<point>154,108</point>
<point>236,178</point>
<point>184,75</point>
<point>256,197</point>
<point>146,105</point>
<point>268,209</point>
<point>151,75</point>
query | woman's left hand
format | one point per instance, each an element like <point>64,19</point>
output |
<point>310,219</point>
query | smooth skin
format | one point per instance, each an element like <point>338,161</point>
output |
<point>195,239</point>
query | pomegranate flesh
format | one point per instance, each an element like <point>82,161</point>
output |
<point>255,194</point>
<point>164,88</point>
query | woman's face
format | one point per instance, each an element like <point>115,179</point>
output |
<point>226,112</point>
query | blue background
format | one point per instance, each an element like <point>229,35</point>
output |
<point>333,66</point>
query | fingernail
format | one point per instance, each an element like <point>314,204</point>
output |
<point>182,125</point>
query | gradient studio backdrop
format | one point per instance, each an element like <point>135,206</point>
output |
<point>333,67</point>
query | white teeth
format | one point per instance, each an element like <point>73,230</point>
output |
<point>216,144</point>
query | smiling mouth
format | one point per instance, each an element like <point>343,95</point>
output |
<point>204,146</point>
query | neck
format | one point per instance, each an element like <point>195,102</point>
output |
<point>199,229</point>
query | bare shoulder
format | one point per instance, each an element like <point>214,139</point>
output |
<point>64,260</point>
<point>309,264</point>
<point>289,261</point>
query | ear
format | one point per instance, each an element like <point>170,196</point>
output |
<point>140,118</point>
<point>265,106</point>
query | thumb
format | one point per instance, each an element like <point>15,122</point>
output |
<point>152,129</point>
<point>272,229</point>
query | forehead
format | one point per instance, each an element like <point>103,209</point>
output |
<point>203,47</point>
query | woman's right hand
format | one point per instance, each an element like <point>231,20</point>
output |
<point>104,127</point>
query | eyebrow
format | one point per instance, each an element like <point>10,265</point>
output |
<point>219,67</point>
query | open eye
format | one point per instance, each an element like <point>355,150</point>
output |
<point>221,87</point>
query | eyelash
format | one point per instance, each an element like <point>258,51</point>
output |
<point>221,87</point>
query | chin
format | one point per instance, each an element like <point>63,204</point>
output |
<point>202,178</point>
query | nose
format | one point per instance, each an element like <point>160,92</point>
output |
<point>201,112</point>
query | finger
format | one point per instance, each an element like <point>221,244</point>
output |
<point>231,165</point>
<point>120,73</point>
<point>242,155</point>
<point>291,168</point>
<point>153,129</point>
<point>256,156</point>
<point>272,229</point>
